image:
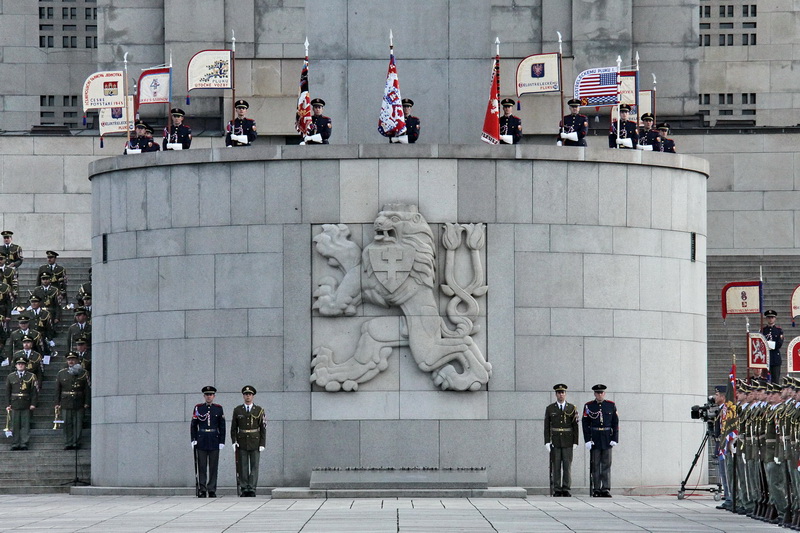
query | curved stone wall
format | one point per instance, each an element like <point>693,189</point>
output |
<point>205,273</point>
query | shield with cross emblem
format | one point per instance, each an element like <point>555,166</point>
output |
<point>391,264</point>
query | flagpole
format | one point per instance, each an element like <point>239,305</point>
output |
<point>560,81</point>
<point>619,103</point>
<point>169,105</point>
<point>233,75</point>
<point>497,68</point>
<point>636,89</point>
<point>125,85</point>
<point>654,100</point>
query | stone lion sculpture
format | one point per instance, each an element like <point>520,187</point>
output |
<point>397,269</point>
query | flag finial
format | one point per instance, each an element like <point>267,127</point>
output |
<point>391,39</point>
<point>306,45</point>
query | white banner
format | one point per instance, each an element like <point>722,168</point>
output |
<point>114,119</point>
<point>154,86</point>
<point>104,89</point>
<point>210,69</point>
<point>538,74</point>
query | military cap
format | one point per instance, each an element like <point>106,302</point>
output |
<point>560,387</point>
<point>82,340</point>
<point>177,112</point>
<point>87,296</point>
<point>141,124</point>
<point>786,382</point>
<point>599,387</point>
<point>408,102</point>
<point>27,338</point>
<point>647,116</point>
<point>21,361</point>
<point>770,312</point>
<point>208,388</point>
<point>80,311</point>
<point>574,102</point>
<point>51,253</point>
<point>241,104</point>
<point>759,385</point>
<point>47,276</point>
<point>318,101</point>
<point>624,107</point>
<point>743,387</point>
<point>664,126</point>
<point>6,233</point>
<point>35,298</point>
<point>773,388</point>
<point>722,389</point>
<point>508,102</point>
<point>23,318</point>
<point>72,355</point>
<point>248,389</point>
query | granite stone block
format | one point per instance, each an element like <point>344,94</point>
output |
<point>303,453</point>
<point>658,280</point>
<point>364,405</point>
<point>603,357</point>
<point>438,190</point>
<point>321,190</point>
<point>639,198</point>
<point>182,363</point>
<point>549,192</point>
<point>158,198</point>
<point>161,325</point>
<point>162,242</point>
<point>296,318</point>
<point>662,182</point>
<point>514,405</point>
<point>580,238</point>
<point>135,459</point>
<point>638,241</point>
<point>220,240</point>
<point>174,289</point>
<point>265,322</point>
<point>532,321</point>
<point>264,270</point>
<point>248,200</point>
<point>532,237</point>
<point>398,181</point>
<point>538,370</point>
<point>283,192</point>
<point>583,193</point>
<point>386,442</point>
<point>611,282</point>
<point>432,405</point>
<point>515,191</point>
<point>137,282</point>
<point>360,190</point>
<point>223,323</point>
<point>582,322</point>
<point>500,306</point>
<point>558,280</point>
<point>262,353</point>
<point>265,238</point>
<point>490,442</point>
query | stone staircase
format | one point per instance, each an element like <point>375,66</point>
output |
<point>46,466</point>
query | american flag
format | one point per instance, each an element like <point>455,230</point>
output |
<point>597,86</point>
<point>392,121</point>
<point>303,117</point>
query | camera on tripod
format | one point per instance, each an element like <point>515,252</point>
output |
<point>707,412</point>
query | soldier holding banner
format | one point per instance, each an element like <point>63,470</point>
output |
<point>178,133</point>
<point>412,122</point>
<point>574,127</point>
<point>648,135</point>
<point>774,335</point>
<point>628,136</point>
<point>321,128</point>
<point>510,126</point>
<point>667,144</point>
<point>241,130</point>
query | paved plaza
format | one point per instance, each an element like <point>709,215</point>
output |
<point>123,514</point>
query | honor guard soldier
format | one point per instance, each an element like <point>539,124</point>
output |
<point>84,289</point>
<point>667,144</point>
<point>601,434</point>
<point>82,350</point>
<point>33,359</point>
<point>12,251</point>
<point>776,479</point>
<point>648,135</point>
<point>208,438</point>
<point>24,330</point>
<point>40,318</point>
<point>320,130</point>
<point>412,122</point>
<point>22,395</point>
<point>179,135</point>
<point>774,335</point>
<point>794,460</point>
<point>628,133</point>
<point>249,437</point>
<point>72,400</point>
<point>58,274</point>
<point>48,296</point>
<point>560,439</point>
<point>81,328</point>
<point>143,141</point>
<point>241,131</point>
<point>8,275</point>
<point>510,126</point>
<point>6,299</point>
<point>573,127</point>
<point>721,451</point>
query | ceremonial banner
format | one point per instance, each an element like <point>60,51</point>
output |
<point>757,352</point>
<point>538,74</point>
<point>793,356</point>
<point>646,103</point>
<point>795,303</point>
<point>114,119</point>
<point>629,92</point>
<point>597,86</point>
<point>741,298</point>
<point>104,89</point>
<point>210,69</point>
<point>491,122</point>
<point>302,120</point>
<point>392,121</point>
<point>154,86</point>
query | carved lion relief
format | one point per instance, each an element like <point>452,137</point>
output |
<point>398,270</point>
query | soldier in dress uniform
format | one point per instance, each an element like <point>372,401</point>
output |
<point>143,140</point>
<point>720,449</point>
<point>573,127</point>
<point>81,328</point>
<point>241,127</point>
<point>23,330</point>
<point>744,503</point>
<point>8,275</point>
<point>82,349</point>
<point>510,126</point>
<point>72,399</point>
<point>22,395</point>
<point>560,439</point>
<point>6,299</point>
<point>412,122</point>
<point>773,333</point>
<point>84,289</point>
<point>58,274</point>
<point>601,434</point>
<point>33,359</point>
<point>794,459</point>
<point>648,135</point>
<point>178,133</point>
<point>667,144</point>
<point>249,437</point>
<point>627,130</point>
<point>208,438</point>
<point>776,480</point>
<point>41,320</point>
<point>12,251</point>
<point>321,126</point>
<point>48,296</point>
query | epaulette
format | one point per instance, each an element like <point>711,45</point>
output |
<point>216,405</point>
<point>609,401</point>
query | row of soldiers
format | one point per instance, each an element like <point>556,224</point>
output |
<point>759,450</point>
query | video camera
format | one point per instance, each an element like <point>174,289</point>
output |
<point>707,412</point>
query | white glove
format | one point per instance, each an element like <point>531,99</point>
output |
<point>589,445</point>
<point>571,136</point>
<point>51,343</point>
<point>559,143</point>
<point>194,443</point>
<point>548,446</point>
<point>261,448</point>
<point>613,443</point>
<point>221,446</point>
<point>235,445</point>
<point>508,139</point>
<point>574,446</point>
<point>316,138</point>
<point>627,143</point>
<point>777,461</point>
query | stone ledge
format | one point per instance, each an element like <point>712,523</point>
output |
<point>299,493</point>
<point>385,479</point>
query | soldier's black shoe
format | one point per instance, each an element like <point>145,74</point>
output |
<point>212,494</point>
<point>23,447</point>
<point>14,448</point>
<point>596,494</point>
<point>605,494</point>
<point>201,494</point>
<point>69,447</point>
<point>566,494</point>
<point>557,494</point>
